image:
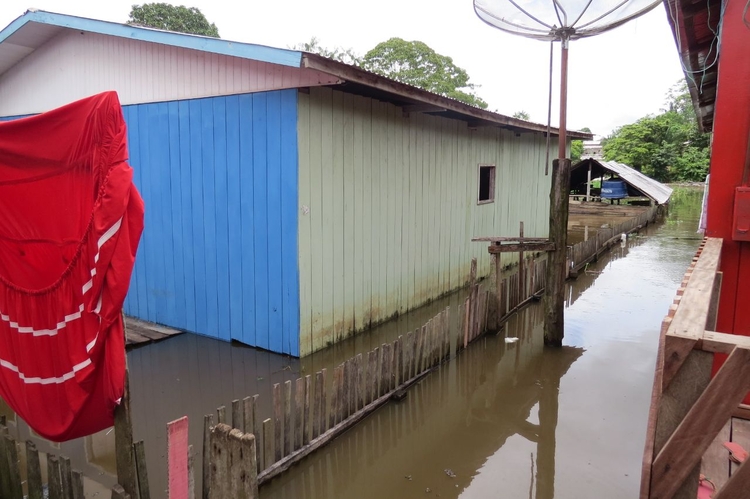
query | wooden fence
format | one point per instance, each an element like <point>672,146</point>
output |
<point>579,255</point>
<point>62,482</point>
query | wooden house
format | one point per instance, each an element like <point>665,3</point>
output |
<point>291,200</point>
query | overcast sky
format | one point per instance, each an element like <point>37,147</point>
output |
<point>615,78</point>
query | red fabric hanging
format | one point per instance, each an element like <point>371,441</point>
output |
<point>70,222</point>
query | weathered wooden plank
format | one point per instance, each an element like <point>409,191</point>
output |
<point>334,412</point>
<point>299,411</point>
<point>360,381</point>
<point>208,422</point>
<point>514,248</point>
<point>267,443</point>
<point>738,485</point>
<point>398,362</point>
<point>419,357</point>
<point>250,443</point>
<point>676,350</point>
<point>510,239</point>
<point>346,399</point>
<point>54,484</point>
<point>220,483</point>
<point>351,380</point>
<point>238,419</point>
<point>141,470</point>
<point>307,415</point>
<point>371,383</point>
<point>467,320</point>
<point>741,436</point>
<point>247,412</point>
<point>239,452</point>
<point>11,452</point>
<point>722,342</point>
<point>288,449</point>
<point>317,403</point>
<point>33,471</point>
<point>701,425</point>
<point>384,368</point>
<point>124,442</point>
<point>278,415</point>
<point>190,473</point>
<point>4,471</point>
<point>117,493</point>
<point>715,462</point>
<point>221,415</point>
<point>77,479</point>
<point>323,402</point>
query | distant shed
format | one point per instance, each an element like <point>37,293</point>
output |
<point>636,181</point>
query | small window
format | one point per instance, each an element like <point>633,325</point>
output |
<point>486,184</point>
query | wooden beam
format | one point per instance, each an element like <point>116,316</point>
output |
<point>676,350</point>
<point>742,412</point>
<point>514,239</point>
<point>514,248</point>
<point>703,422</point>
<point>738,484</point>
<point>423,108</point>
<point>721,342</point>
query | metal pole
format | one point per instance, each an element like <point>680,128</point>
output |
<point>562,149</point>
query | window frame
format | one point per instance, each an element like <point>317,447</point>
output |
<point>493,177</point>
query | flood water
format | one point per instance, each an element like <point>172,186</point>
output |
<point>508,420</point>
<point>518,420</point>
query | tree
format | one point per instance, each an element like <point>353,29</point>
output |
<point>415,63</point>
<point>576,147</point>
<point>168,17</point>
<point>347,56</point>
<point>667,146</point>
<point>522,115</point>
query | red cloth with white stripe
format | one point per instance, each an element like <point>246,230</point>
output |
<point>70,222</point>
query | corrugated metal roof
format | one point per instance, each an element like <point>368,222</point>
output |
<point>650,187</point>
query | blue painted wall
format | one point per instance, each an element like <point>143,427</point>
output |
<point>219,250</point>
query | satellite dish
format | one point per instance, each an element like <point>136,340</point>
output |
<point>555,20</point>
<point>560,20</point>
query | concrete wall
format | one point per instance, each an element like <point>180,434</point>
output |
<point>388,207</point>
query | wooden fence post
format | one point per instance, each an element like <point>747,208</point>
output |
<point>33,471</point>
<point>554,300</point>
<point>208,422</point>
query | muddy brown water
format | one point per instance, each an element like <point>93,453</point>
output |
<point>501,420</point>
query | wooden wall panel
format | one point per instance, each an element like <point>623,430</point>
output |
<point>391,207</point>
<point>219,250</point>
<point>75,64</point>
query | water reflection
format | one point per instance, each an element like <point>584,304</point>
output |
<point>448,425</point>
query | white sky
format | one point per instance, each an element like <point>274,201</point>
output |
<point>615,78</point>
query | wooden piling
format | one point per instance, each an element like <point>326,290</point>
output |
<point>33,472</point>
<point>141,470</point>
<point>208,422</point>
<point>77,480</point>
<point>554,299</point>
<point>65,479</point>
<point>11,453</point>
<point>54,484</point>
<point>124,442</point>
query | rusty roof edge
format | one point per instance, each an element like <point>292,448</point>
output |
<point>675,16</point>
<point>360,76</point>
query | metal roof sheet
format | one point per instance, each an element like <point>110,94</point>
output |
<point>650,187</point>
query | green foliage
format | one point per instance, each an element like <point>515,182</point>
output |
<point>522,115</point>
<point>667,146</point>
<point>347,56</point>
<point>576,147</point>
<point>168,17</point>
<point>415,63</point>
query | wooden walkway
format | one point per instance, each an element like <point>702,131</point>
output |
<point>716,465</point>
<point>138,332</point>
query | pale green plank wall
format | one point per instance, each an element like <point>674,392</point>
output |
<point>389,206</point>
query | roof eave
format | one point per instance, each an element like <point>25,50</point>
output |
<point>357,75</point>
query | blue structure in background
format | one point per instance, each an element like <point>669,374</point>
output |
<point>219,250</point>
<point>614,189</point>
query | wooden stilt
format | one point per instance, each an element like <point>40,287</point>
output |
<point>554,300</point>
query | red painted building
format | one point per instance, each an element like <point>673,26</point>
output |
<point>713,39</point>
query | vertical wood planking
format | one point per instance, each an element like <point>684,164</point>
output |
<point>361,390</point>
<point>318,404</point>
<point>268,454</point>
<point>436,161</point>
<point>278,414</point>
<point>370,377</point>
<point>200,162</point>
<point>33,471</point>
<point>307,412</point>
<point>299,414</point>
